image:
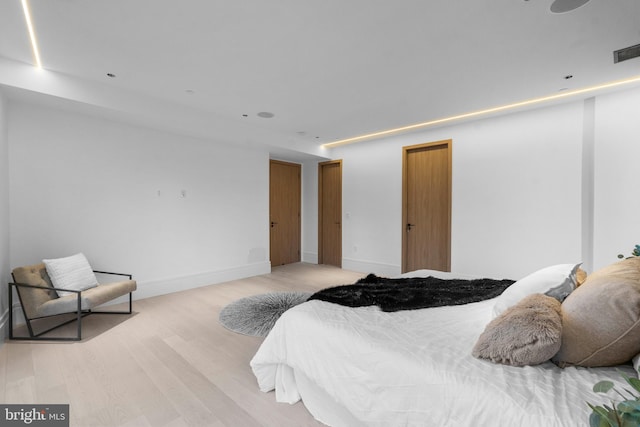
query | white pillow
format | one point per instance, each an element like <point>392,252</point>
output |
<point>73,272</point>
<point>556,281</point>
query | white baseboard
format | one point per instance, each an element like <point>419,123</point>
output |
<point>310,257</point>
<point>363,266</point>
<point>152,288</point>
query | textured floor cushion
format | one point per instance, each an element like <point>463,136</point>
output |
<point>526,334</point>
<point>601,318</point>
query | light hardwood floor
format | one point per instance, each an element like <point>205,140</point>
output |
<point>169,364</point>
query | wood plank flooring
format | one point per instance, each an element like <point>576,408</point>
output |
<point>169,364</point>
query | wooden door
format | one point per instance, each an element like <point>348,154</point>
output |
<point>426,212</point>
<point>284,212</point>
<point>330,213</point>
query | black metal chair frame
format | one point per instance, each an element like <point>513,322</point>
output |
<point>79,312</point>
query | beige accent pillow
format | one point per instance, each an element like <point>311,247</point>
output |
<point>527,333</point>
<point>601,318</point>
<point>581,276</point>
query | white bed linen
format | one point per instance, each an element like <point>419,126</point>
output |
<point>362,366</point>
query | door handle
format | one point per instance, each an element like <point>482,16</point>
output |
<point>273,223</point>
<point>410,226</point>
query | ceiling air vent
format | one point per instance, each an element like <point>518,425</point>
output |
<point>626,53</point>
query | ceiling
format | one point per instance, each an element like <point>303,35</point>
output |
<point>326,69</point>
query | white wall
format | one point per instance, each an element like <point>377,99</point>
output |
<point>553,185</point>
<point>617,176</point>
<point>310,211</point>
<point>85,184</point>
<point>516,194</point>
<point>371,207</point>
<point>517,198</point>
<point>114,192</point>
<point>4,217</point>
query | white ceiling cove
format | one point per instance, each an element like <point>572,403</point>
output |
<point>326,70</point>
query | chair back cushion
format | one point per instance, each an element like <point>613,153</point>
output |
<point>32,298</point>
<point>70,273</point>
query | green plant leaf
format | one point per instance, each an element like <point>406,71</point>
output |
<point>634,382</point>
<point>630,420</point>
<point>608,415</point>
<point>631,417</point>
<point>629,407</point>
<point>630,394</point>
<point>603,386</point>
<point>626,413</point>
<point>596,420</point>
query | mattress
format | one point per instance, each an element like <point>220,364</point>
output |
<point>362,366</point>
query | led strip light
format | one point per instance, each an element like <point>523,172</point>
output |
<point>408,128</point>
<point>388,132</point>
<point>32,33</point>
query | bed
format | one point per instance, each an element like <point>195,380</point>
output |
<point>365,367</point>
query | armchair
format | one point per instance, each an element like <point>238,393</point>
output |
<point>39,299</point>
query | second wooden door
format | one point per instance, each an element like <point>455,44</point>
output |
<point>284,212</point>
<point>330,213</point>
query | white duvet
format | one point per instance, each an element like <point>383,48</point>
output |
<point>362,366</point>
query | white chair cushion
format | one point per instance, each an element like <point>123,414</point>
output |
<point>73,272</point>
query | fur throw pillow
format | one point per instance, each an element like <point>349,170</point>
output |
<point>528,333</point>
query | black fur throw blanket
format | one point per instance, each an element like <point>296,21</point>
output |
<point>412,293</point>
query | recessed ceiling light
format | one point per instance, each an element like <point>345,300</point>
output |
<point>562,6</point>
<point>265,114</point>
